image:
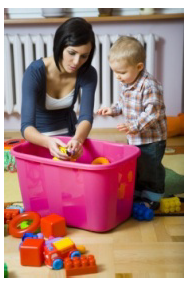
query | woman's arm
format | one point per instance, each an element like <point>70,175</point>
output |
<point>32,135</point>
<point>82,131</point>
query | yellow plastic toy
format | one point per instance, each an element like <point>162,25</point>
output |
<point>64,150</point>
<point>81,249</point>
<point>171,204</point>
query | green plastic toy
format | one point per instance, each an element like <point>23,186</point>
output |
<point>5,271</point>
<point>9,160</point>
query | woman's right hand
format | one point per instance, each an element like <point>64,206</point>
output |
<point>105,111</point>
<point>53,145</point>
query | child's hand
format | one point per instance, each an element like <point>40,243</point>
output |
<point>105,111</point>
<point>126,127</point>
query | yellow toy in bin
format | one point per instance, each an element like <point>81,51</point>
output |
<point>66,151</point>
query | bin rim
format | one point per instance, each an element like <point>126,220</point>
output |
<point>74,165</point>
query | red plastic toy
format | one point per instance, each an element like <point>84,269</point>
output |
<point>9,214</point>
<point>9,144</point>
<point>13,224</point>
<point>53,225</point>
<point>80,265</point>
<point>56,252</point>
<point>31,252</point>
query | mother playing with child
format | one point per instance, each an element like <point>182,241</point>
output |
<point>51,86</point>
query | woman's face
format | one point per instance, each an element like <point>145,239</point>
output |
<point>75,56</point>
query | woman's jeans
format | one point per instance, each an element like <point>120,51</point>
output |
<point>150,178</point>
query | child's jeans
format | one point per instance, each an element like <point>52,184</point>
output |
<point>150,179</point>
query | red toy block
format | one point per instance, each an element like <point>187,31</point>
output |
<point>9,214</point>
<point>53,225</point>
<point>31,252</point>
<point>80,265</point>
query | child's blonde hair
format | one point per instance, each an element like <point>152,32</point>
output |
<point>127,48</point>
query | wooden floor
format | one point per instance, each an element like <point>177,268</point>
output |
<point>134,249</point>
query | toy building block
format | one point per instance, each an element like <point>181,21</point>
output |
<point>141,212</point>
<point>80,265</point>
<point>31,252</point>
<point>64,244</point>
<point>171,204</point>
<point>53,225</point>
<point>21,209</point>
<point>9,214</point>
<point>6,274</point>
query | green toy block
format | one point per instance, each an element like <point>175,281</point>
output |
<point>5,271</point>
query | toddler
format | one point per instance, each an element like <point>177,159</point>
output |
<point>141,103</point>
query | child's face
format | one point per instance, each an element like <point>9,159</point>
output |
<point>127,74</point>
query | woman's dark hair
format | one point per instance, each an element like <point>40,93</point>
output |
<point>73,32</point>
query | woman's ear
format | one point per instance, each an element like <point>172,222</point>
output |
<point>140,66</point>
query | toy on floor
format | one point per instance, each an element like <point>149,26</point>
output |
<point>31,252</point>
<point>141,212</point>
<point>53,225</point>
<point>56,252</point>
<point>6,273</point>
<point>175,125</point>
<point>9,214</point>
<point>35,250</point>
<point>20,208</point>
<point>171,204</point>
<point>100,161</point>
<point>79,266</point>
<point>81,249</point>
<point>14,223</point>
<point>9,160</point>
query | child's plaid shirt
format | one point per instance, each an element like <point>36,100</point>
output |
<point>143,106</point>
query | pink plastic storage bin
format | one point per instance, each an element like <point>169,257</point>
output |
<point>91,197</point>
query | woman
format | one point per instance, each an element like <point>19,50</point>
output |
<point>51,86</point>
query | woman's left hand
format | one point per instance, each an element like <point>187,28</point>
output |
<point>75,148</point>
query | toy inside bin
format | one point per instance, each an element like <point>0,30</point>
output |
<point>91,197</point>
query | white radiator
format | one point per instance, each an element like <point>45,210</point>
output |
<point>21,50</point>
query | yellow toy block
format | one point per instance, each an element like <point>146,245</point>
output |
<point>171,204</point>
<point>64,244</point>
<point>63,149</point>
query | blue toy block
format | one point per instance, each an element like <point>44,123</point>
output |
<point>141,212</point>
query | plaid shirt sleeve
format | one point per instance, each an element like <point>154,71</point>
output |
<point>152,104</point>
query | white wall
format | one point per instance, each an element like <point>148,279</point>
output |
<point>169,67</point>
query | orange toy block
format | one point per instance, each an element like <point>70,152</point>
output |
<point>80,265</point>
<point>9,214</point>
<point>31,252</point>
<point>53,225</point>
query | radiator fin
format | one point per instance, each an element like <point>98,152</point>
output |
<point>21,50</point>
